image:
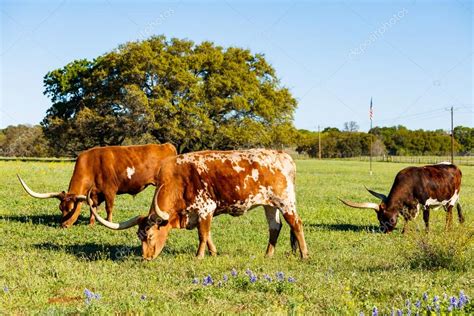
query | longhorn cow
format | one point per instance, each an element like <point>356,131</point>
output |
<point>431,186</point>
<point>110,170</point>
<point>197,186</point>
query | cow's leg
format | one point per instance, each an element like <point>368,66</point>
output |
<point>274,227</point>
<point>460,215</point>
<point>204,228</point>
<point>210,246</point>
<point>449,217</point>
<point>109,205</point>
<point>296,234</point>
<point>426,217</point>
<point>91,218</point>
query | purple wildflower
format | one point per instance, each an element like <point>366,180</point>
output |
<point>453,301</point>
<point>248,272</point>
<point>375,311</point>
<point>233,272</point>
<point>280,276</point>
<point>450,308</point>
<point>267,277</point>
<point>291,280</point>
<point>207,280</point>
<point>407,303</point>
<point>418,304</point>
<point>195,281</point>
<point>435,299</point>
<point>88,293</point>
<point>463,299</point>
<point>143,297</point>
<point>253,278</point>
<point>399,312</point>
<point>425,296</point>
<point>91,296</point>
<point>225,278</point>
<point>361,314</point>
<point>6,289</point>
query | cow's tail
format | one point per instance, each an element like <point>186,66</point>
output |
<point>460,214</point>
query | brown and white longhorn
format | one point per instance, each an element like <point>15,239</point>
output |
<point>195,187</point>
<point>110,171</point>
<point>431,186</point>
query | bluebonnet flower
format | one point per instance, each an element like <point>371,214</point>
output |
<point>143,297</point>
<point>253,278</point>
<point>453,301</point>
<point>88,293</point>
<point>418,304</point>
<point>233,272</point>
<point>435,299</point>
<point>407,303</point>
<point>91,296</point>
<point>267,277</point>
<point>375,311</point>
<point>207,280</point>
<point>425,296</point>
<point>450,308</point>
<point>195,281</point>
<point>248,272</point>
<point>225,278</point>
<point>6,289</point>
<point>291,280</point>
<point>280,276</point>
<point>463,299</point>
<point>361,314</point>
<point>399,312</point>
<point>428,308</point>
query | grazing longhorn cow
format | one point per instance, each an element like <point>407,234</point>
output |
<point>110,170</point>
<point>429,186</point>
<point>197,186</point>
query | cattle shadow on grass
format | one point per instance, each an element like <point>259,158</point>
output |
<point>346,227</point>
<point>41,219</point>
<point>95,252</point>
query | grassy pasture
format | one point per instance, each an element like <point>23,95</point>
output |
<point>352,267</point>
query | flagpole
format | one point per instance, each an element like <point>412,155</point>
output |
<point>371,113</point>
<point>370,147</point>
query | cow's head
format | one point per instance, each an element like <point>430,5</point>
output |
<point>387,218</point>
<point>69,205</point>
<point>152,229</point>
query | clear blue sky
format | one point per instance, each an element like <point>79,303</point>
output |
<point>415,58</point>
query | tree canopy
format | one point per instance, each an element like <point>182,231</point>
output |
<point>196,96</point>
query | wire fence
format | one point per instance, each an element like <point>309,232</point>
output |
<point>458,160</point>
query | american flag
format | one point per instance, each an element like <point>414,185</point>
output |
<point>371,110</point>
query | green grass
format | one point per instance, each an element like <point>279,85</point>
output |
<point>351,268</point>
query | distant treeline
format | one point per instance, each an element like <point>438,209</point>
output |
<point>395,141</point>
<point>29,141</point>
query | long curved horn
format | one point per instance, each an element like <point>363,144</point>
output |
<point>369,205</point>
<point>163,215</point>
<point>380,196</point>
<point>115,226</point>
<point>36,194</point>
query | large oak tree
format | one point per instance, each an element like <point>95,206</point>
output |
<point>196,96</point>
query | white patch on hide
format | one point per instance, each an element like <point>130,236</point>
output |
<point>434,203</point>
<point>130,172</point>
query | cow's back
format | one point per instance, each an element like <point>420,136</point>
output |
<point>234,180</point>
